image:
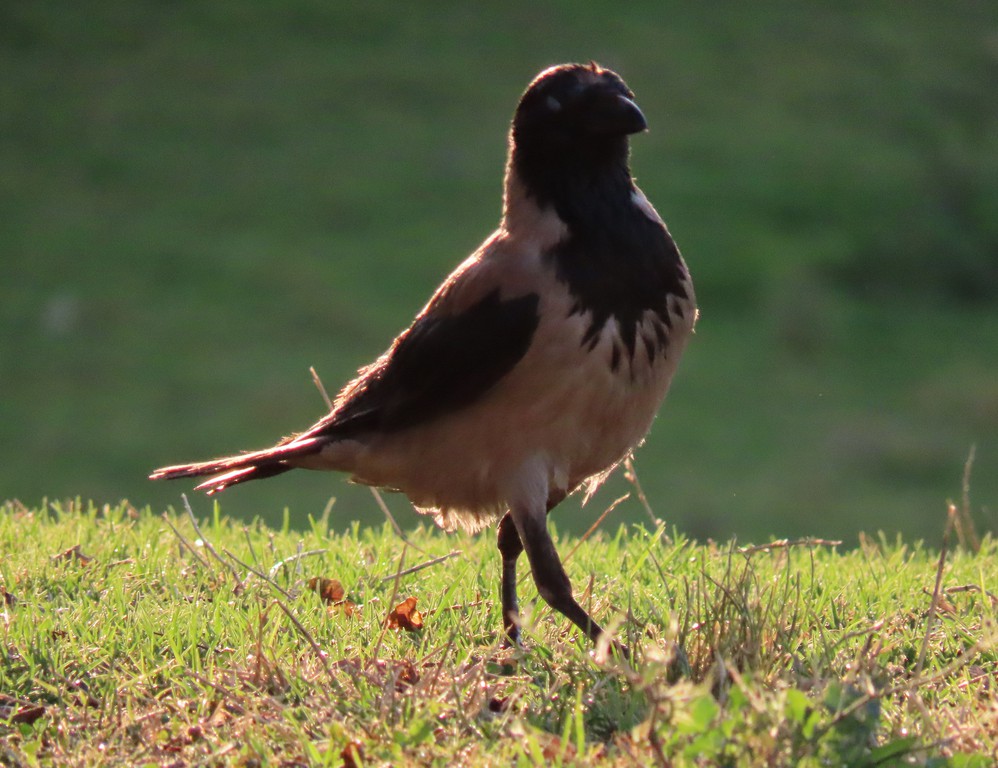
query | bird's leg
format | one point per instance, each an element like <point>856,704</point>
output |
<point>549,574</point>
<point>510,548</point>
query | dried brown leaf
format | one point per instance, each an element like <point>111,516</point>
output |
<point>331,591</point>
<point>15,711</point>
<point>74,553</point>
<point>352,755</point>
<point>407,674</point>
<point>405,616</point>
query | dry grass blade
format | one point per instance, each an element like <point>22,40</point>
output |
<point>259,574</point>
<point>788,543</point>
<point>379,500</point>
<point>973,588</point>
<point>934,604</point>
<point>318,384</point>
<point>319,653</point>
<point>295,558</point>
<point>965,531</point>
<point>592,528</point>
<point>249,545</point>
<point>391,601</point>
<point>415,568</point>
<point>207,543</point>
<point>185,543</point>
<point>632,477</point>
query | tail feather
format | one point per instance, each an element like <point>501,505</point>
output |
<point>232,470</point>
<point>220,482</point>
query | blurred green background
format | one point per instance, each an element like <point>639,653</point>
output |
<point>198,201</point>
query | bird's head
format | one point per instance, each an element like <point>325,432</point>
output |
<point>576,109</point>
<point>569,135</point>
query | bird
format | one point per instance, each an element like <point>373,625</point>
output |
<point>540,362</point>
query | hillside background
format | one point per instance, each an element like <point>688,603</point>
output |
<point>198,201</point>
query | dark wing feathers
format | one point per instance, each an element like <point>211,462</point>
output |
<point>444,362</point>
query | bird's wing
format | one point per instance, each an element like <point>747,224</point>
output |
<point>470,335</point>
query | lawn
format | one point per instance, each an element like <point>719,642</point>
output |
<point>134,638</point>
<point>201,201</point>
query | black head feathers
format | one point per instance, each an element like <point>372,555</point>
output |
<point>571,128</point>
<point>569,152</point>
<point>572,106</point>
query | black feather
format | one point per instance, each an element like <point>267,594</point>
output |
<point>616,260</point>
<point>442,363</point>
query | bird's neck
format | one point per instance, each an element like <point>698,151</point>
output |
<point>602,239</point>
<point>575,185</point>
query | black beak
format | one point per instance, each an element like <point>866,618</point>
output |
<point>616,114</point>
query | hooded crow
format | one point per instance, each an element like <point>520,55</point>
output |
<point>539,363</point>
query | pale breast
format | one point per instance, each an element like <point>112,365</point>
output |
<point>567,405</point>
<point>579,400</point>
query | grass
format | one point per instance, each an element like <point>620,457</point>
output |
<point>199,203</point>
<point>132,638</point>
